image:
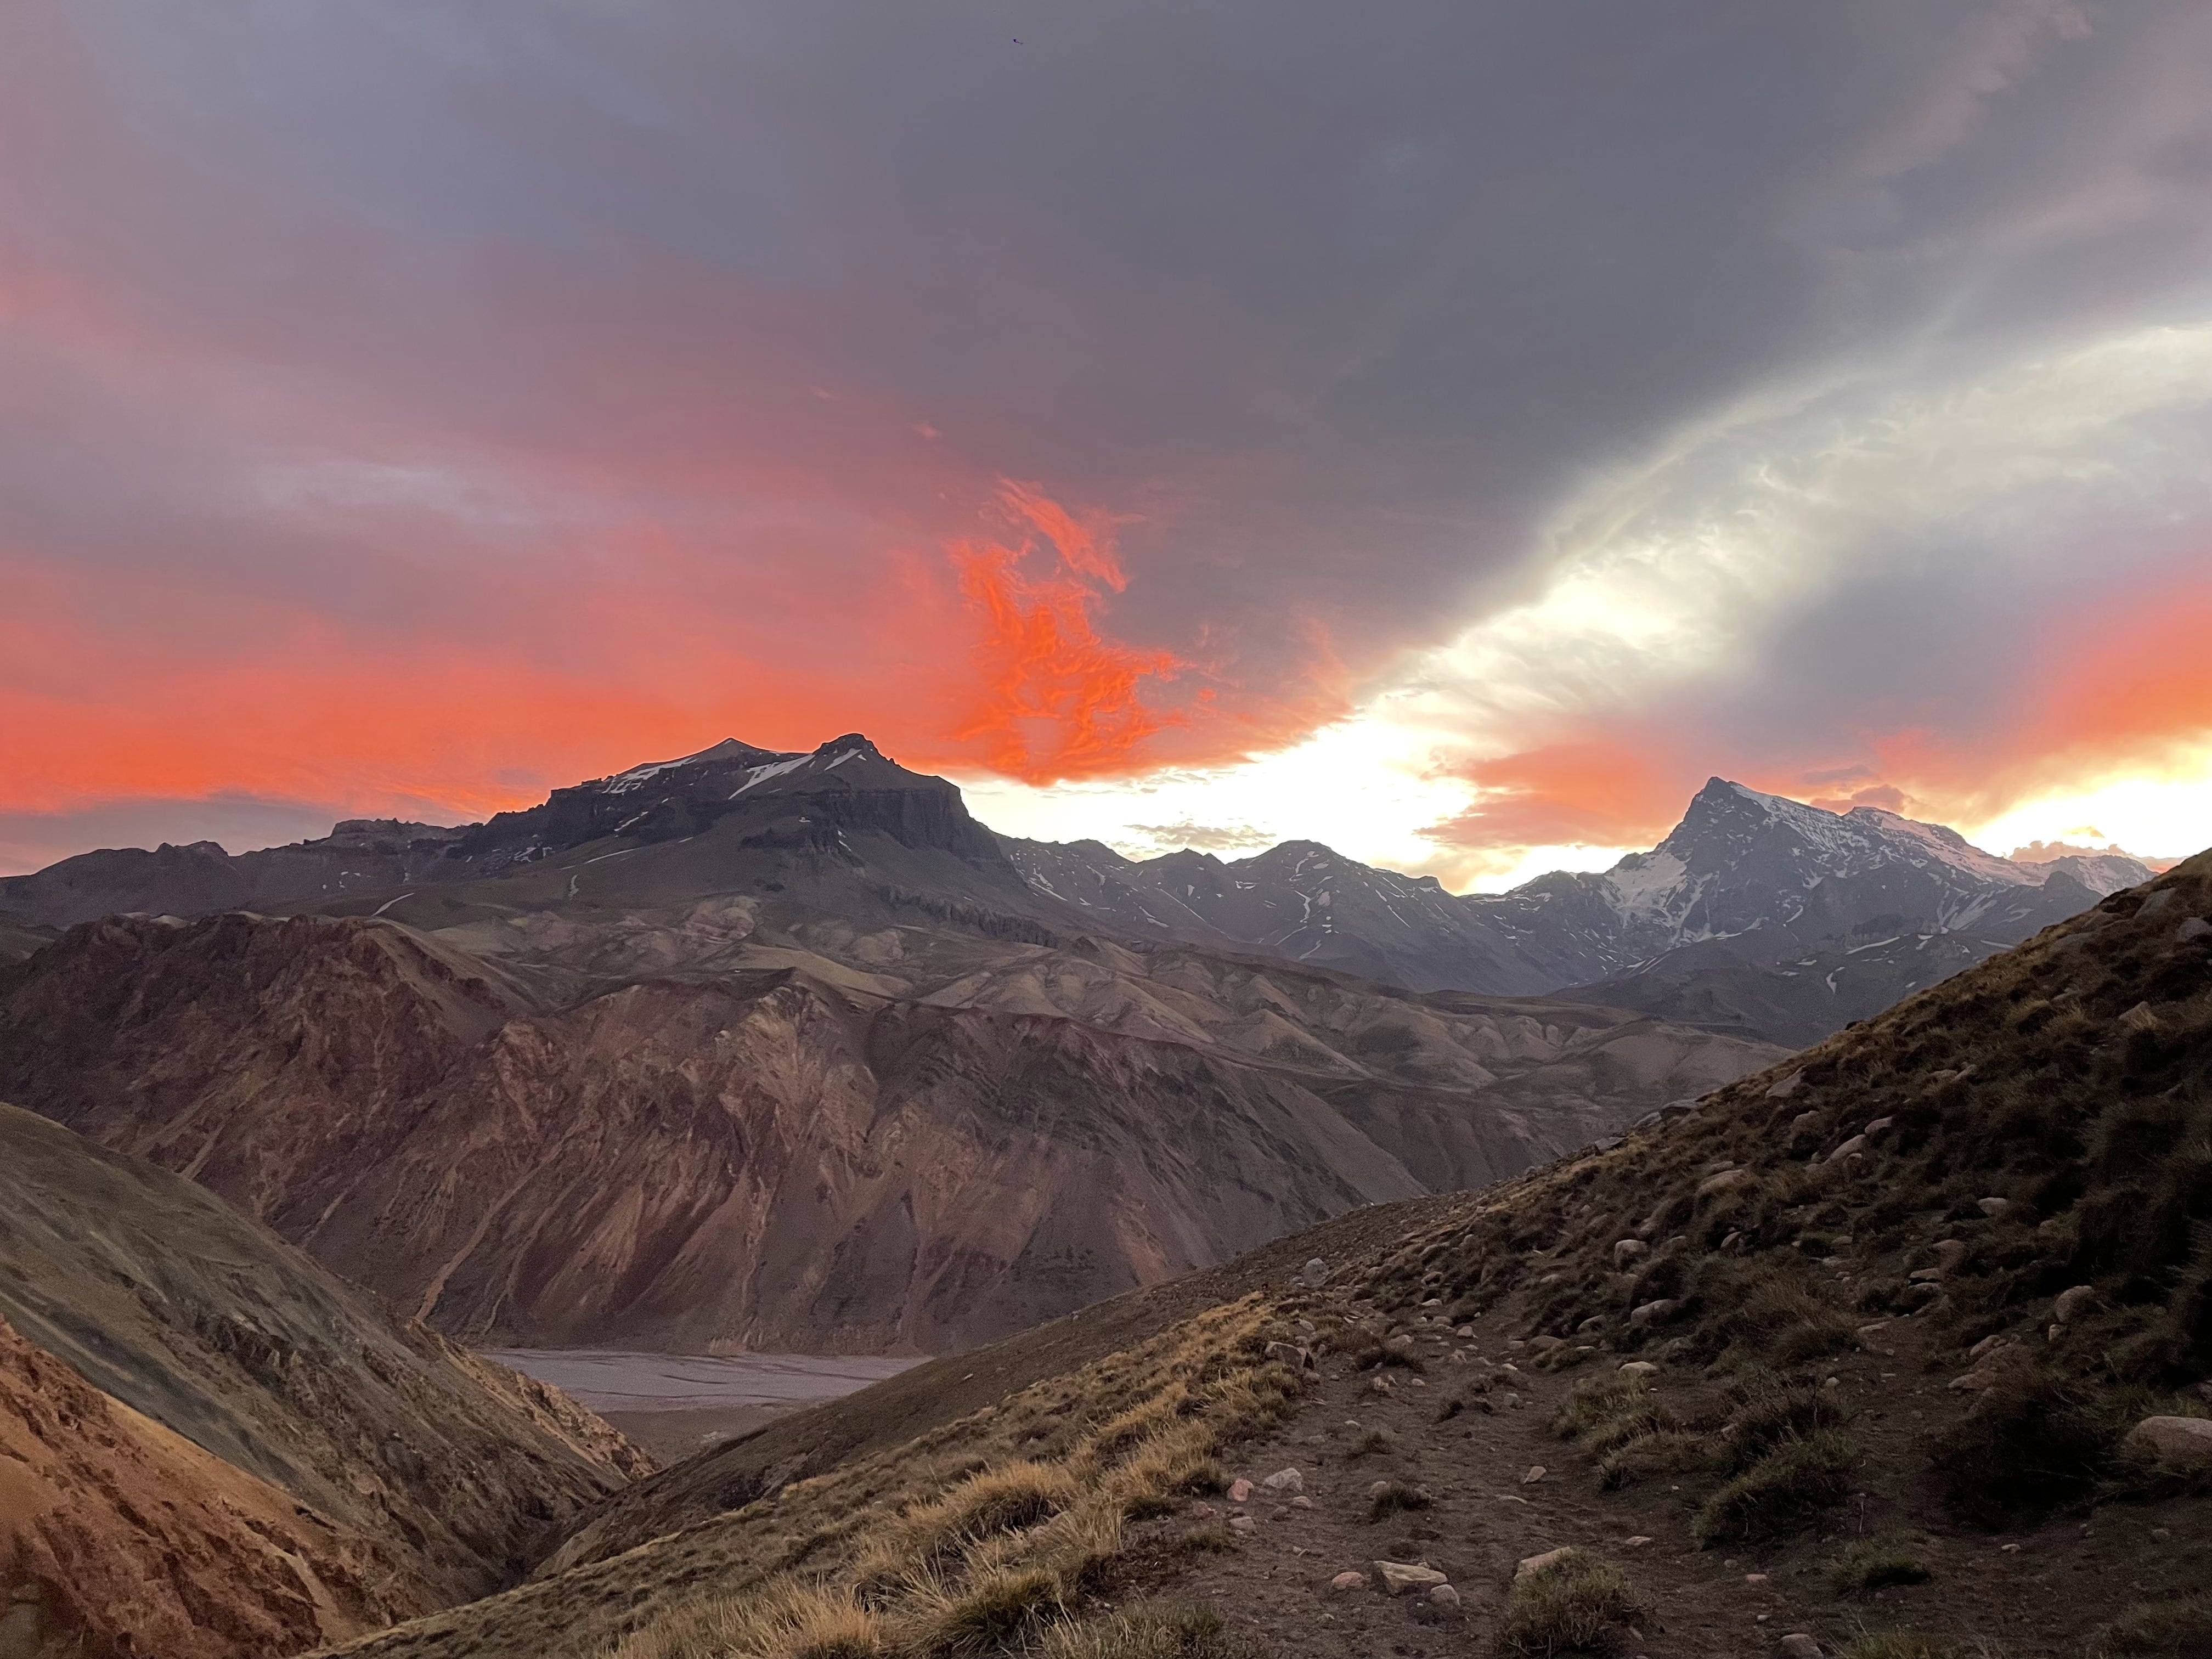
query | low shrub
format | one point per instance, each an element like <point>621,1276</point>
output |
<point>1784,1489</point>
<point>1569,1606</point>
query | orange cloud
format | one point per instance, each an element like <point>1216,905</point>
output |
<point>2109,690</point>
<point>1053,700</point>
<point>1595,791</point>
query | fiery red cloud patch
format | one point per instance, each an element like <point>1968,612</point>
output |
<point>1053,699</point>
<point>1594,791</point>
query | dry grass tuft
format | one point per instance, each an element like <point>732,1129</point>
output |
<point>2159,1629</point>
<point>1571,1607</point>
<point>1154,1631</point>
<point>1782,1490</point>
<point>1872,1564</point>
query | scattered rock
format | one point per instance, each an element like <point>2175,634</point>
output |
<point>1994,1207</point>
<point>1636,1542</point>
<point>1284,1480</point>
<point>1400,1576</point>
<point>1871,1338</point>
<point>1240,1489</point>
<point>2071,1301</point>
<point>1786,1087</point>
<point>1383,1385</point>
<point>1754,1579</point>
<point>1242,1523</point>
<point>1536,1472</point>
<point>1443,1595</point>
<point>1654,1313</point>
<point>1640,1369</point>
<point>1289,1353</point>
<point>1532,1565</point>
<point>1457,1357</point>
<point>1302,1502</point>
<point>1465,1332</point>
<point>1348,1581</point>
<point>1546,1344</point>
<point>1798,1646</point>
<point>1950,1254</point>
<point>1804,1123</point>
<point>2193,929</point>
<point>1727,1181</point>
<point>1878,1126</point>
<point>1627,1250</point>
<point>1984,1346</point>
<point>1314,1274</point>
<point>2175,1439</point>
<point>1856,1144</point>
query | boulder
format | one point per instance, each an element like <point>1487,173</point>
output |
<point>1535,1474</point>
<point>1994,1207</point>
<point>1654,1313</point>
<point>1727,1181</point>
<point>1783,1088</point>
<point>2071,1301</point>
<point>1546,1344</point>
<point>1856,1144</point>
<point>1443,1595</point>
<point>2006,1362</point>
<point>2193,929</point>
<point>1627,1250</point>
<point>1640,1369</point>
<point>1289,1353</point>
<point>2186,1440</point>
<point>1242,1523</point>
<point>1950,1254</point>
<point>1878,1126</point>
<point>1532,1565</point>
<point>1399,1576</point>
<point>1284,1483</point>
<point>1348,1581</point>
<point>1314,1274</point>
<point>1798,1646</point>
<point>1240,1491</point>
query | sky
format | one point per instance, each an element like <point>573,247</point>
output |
<point>1449,431</point>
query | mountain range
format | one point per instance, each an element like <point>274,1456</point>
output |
<point>768,1051</point>
<point>1757,914</point>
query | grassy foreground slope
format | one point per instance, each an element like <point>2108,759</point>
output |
<point>1986,1215</point>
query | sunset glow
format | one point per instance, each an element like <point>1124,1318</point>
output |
<point>400,420</point>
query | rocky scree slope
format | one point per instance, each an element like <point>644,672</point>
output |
<point>1756,915</point>
<point>797,1137</point>
<point>1982,1214</point>
<point>209,1445</point>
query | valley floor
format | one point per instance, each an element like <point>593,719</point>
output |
<point>1504,1488</point>
<point>676,1405</point>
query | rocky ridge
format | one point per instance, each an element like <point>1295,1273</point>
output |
<point>209,1446</point>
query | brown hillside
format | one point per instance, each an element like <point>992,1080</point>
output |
<point>703,1129</point>
<point>2002,1279</point>
<point>181,1383</point>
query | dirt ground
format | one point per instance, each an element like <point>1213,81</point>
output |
<point>2026,1594</point>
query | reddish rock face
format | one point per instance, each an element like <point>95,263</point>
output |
<point>901,1140</point>
<point>211,1446</point>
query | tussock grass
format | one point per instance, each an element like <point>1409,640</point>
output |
<point>1910,1644</point>
<point>1784,1489</point>
<point>1395,1497</point>
<point>1152,1631</point>
<point>1872,1564</point>
<point>950,1548</point>
<point>2159,1629</point>
<point>1571,1607</point>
